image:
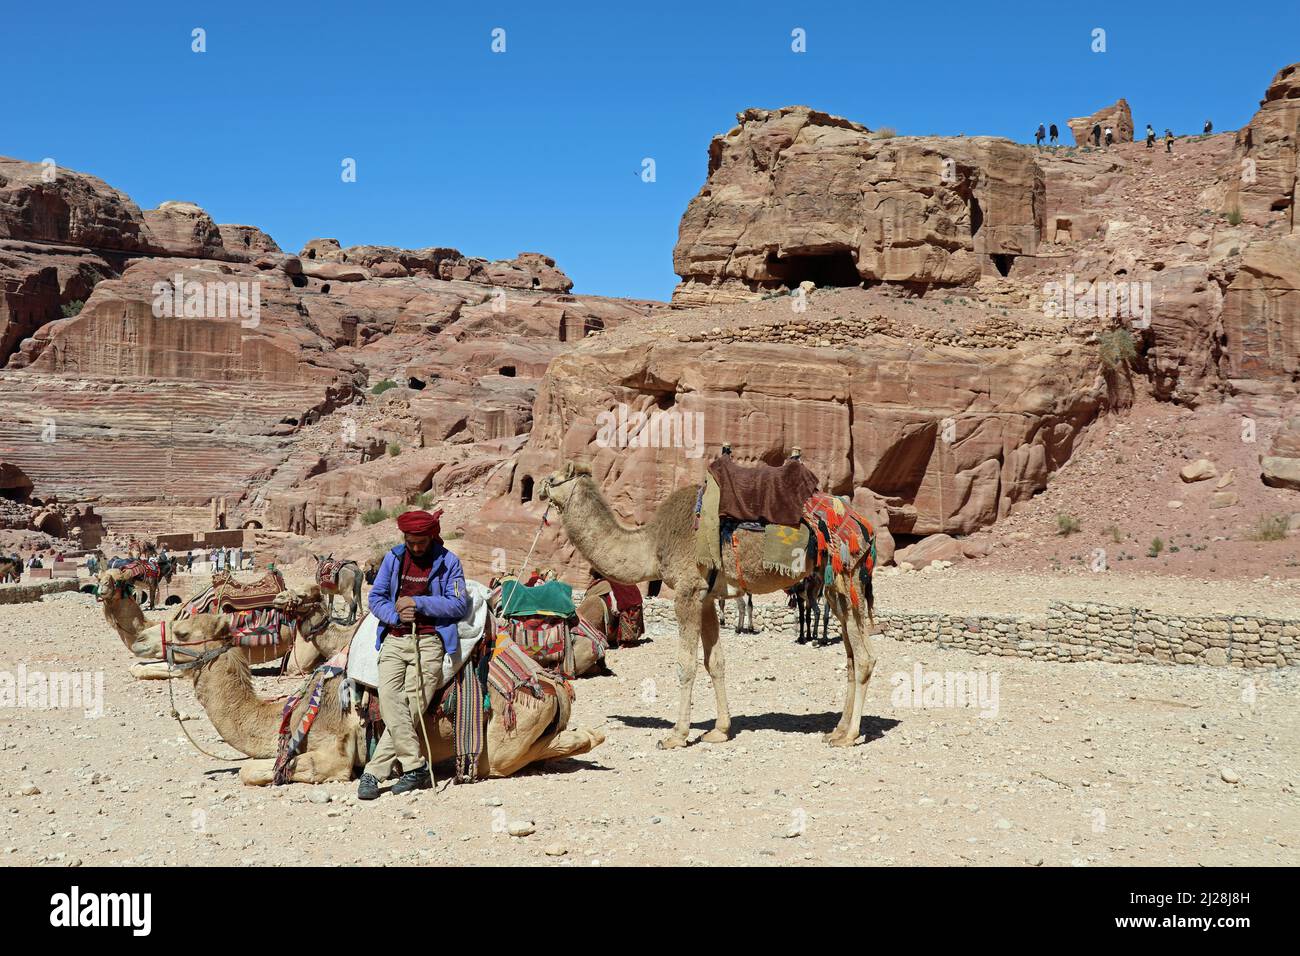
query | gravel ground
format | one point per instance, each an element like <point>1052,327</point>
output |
<point>1083,764</point>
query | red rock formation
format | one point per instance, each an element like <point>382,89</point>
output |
<point>1261,178</point>
<point>794,194</point>
<point>1117,116</point>
<point>1261,312</point>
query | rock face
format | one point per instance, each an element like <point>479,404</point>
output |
<point>1261,179</point>
<point>14,483</point>
<point>48,204</point>
<point>528,270</point>
<point>248,241</point>
<point>1280,468</point>
<point>183,229</point>
<point>1117,116</point>
<point>942,440</point>
<point>794,195</point>
<point>1261,311</point>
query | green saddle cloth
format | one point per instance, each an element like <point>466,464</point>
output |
<point>552,599</point>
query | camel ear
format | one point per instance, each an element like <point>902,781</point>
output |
<point>568,470</point>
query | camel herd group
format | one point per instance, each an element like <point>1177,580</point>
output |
<point>209,652</point>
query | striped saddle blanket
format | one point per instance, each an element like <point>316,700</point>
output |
<point>236,595</point>
<point>145,569</point>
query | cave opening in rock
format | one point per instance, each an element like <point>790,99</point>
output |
<point>507,370</point>
<point>525,490</point>
<point>976,216</point>
<point>20,495</point>
<point>828,269</point>
<point>1002,262</point>
<point>415,384</point>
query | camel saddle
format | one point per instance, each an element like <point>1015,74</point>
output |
<point>766,494</point>
<point>234,594</point>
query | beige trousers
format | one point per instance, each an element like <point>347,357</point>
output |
<point>399,700</point>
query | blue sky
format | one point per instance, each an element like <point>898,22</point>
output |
<point>540,148</point>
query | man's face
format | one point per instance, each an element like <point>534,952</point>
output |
<point>418,543</point>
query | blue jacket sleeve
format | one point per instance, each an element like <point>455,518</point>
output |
<point>383,595</point>
<point>452,601</point>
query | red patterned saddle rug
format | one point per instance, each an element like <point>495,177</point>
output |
<point>327,575</point>
<point>144,569</point>
<point>234,596</point>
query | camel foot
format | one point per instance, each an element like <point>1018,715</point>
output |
<point>841,740</point>
<point>833,735</point>
<point>672,742</point>
<point>716,736</point>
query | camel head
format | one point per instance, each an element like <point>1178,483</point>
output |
<point>307,607</point>
<point>186,640</point>
<point>114,582</point>
<point>559,486</point>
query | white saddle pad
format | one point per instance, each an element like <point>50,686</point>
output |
<point>363,656</point>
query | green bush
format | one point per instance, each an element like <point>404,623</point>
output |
<point>394,449</point>
<point>1067,524</point>
<point>381,387</point>
<point>886,132</point>
<point>1234,217</point>
<point>1117,347</point>
<point>373,516</point>
<point>1157,545</point>
<point>1271,528</point>
<point>72,308</point>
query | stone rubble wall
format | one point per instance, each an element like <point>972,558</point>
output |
<point>34,591</point>
<point>1071,632</point>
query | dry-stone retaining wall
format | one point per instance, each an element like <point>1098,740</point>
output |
<point>1074,632</point>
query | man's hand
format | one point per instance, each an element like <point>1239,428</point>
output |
<point>406,609</point>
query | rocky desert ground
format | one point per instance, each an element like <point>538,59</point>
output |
<point>1081,764</point>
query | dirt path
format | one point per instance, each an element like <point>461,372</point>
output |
<point>1083,764</point>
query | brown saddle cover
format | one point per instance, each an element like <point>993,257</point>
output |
<point>766,493</point>
<point>243,596</point>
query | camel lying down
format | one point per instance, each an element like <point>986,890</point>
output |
<point>334,749</point>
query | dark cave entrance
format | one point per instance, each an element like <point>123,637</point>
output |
<point>1002,262</point>
<point>826,269</point>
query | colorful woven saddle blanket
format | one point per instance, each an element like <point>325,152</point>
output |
<point>512,672</point>
<point>292,737</point>
<point>144,569</point>
<point>259,627</point>
<point>839,539</point>
<point>552,641</point>
<point>327,574</point>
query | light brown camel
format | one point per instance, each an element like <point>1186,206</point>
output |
<point>115,591</point>
<point>665,549</point>
<point>334,748</point>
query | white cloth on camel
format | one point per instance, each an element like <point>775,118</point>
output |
<point>363,656</point>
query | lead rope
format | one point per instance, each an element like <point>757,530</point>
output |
<point>524,569</point>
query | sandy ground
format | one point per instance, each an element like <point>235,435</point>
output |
<point>1082,764</point>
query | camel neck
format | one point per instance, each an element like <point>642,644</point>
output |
<point>617,552</point>
<point>245,721</point>
<point>125,617</point>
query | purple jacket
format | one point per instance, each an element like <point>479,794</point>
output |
<point>446,602</point>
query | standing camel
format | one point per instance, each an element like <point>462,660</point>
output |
<point>665,548</point>
<point>341,578</point>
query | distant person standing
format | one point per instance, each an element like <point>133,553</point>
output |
<point>1038,136</point>
<point>1096,134</point>
<point>1053,133</point>
<point>1169,141</point>
<point>1151,137</point>
<point>1110,137</point>
<point>189,561</point>
<point>1209,127</point>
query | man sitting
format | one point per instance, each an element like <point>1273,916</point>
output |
<point>419,595</point>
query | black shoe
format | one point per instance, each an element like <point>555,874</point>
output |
<point>414,780</point>
<point>368,788</point>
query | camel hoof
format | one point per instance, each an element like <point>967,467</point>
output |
<point>833,736</point>
<point>844,740</point>
<point>716,736</point>
<point>672,743</point>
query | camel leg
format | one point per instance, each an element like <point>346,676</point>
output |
<point>841,729</point>
<point>715,664</point>
<point>690,608</point>
<point>862,661</point>
<point>567,743</point>
<point>152,670</point>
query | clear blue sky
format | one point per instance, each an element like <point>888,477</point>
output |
<point>540,148</point>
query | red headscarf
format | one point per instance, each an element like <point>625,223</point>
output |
<point>421,522</point>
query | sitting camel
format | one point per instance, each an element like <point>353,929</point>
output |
<point>334,748</point>
<point>115,592</point>
<point>665,549</point>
